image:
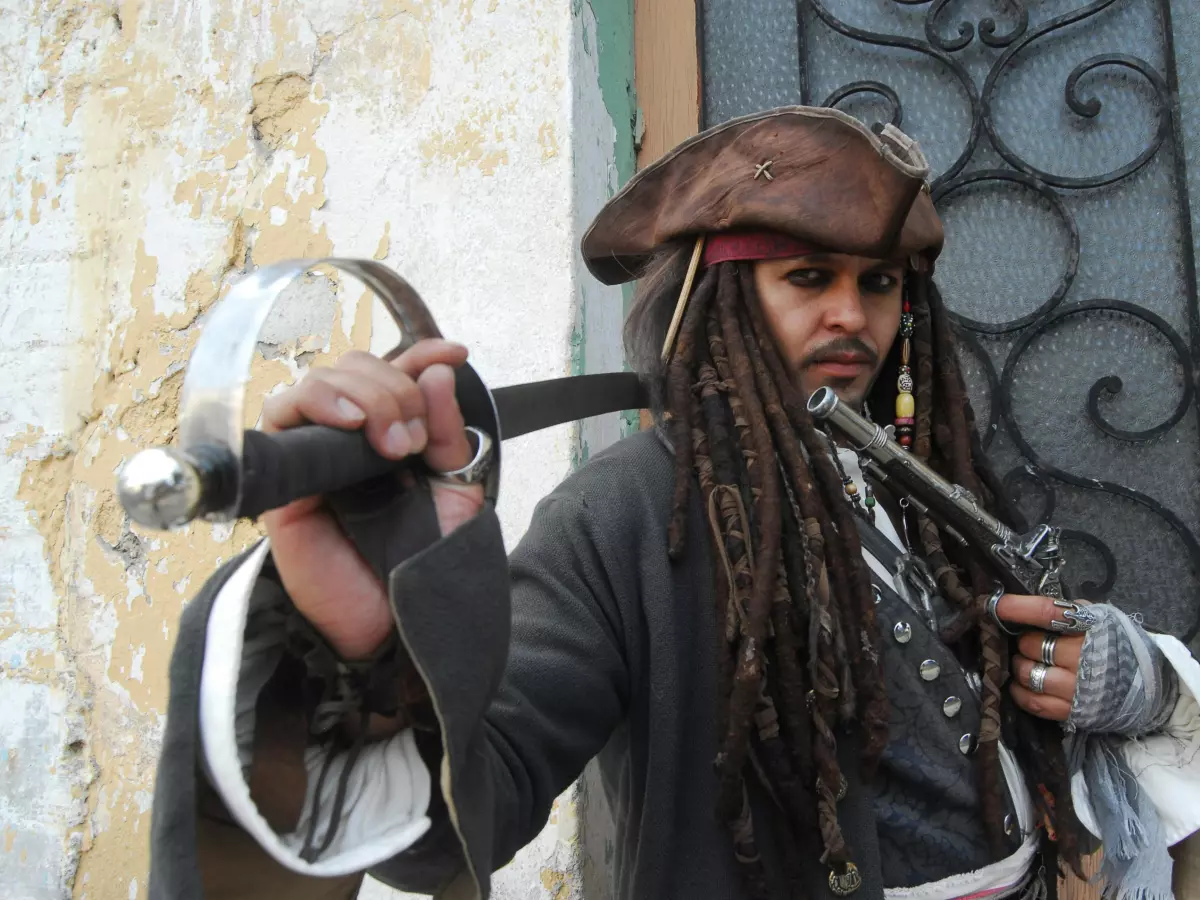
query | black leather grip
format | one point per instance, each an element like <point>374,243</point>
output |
<point>303,462</point>
<point>278,469</point>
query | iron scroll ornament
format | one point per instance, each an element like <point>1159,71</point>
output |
<point>985,139</point>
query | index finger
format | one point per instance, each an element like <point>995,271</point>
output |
<point>447,448</point>
<point>1022,609</point>
<point>429,352</point>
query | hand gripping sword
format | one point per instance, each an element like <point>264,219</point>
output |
<point>220,471</point>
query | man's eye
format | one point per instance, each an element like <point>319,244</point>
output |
<point>880,282</point>
<point>807,277</point>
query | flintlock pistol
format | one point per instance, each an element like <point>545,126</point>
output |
<point>1029,563</point>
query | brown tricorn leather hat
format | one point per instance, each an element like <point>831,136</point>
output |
<point>815,174</point>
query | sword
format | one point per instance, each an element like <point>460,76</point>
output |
<point>220,471</point>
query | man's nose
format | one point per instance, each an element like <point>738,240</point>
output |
<point>844,307</point>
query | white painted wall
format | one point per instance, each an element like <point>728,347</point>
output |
<point>153,149</point>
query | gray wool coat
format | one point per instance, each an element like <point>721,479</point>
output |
<point>589,643</point>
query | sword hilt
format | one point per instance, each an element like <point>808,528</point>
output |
<point>166,488</point>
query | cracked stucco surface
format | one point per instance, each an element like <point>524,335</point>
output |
<point>153,152</point>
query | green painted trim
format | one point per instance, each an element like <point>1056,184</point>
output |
<point>614,25</point>
<point>614,41</point>
<point>612,44</point>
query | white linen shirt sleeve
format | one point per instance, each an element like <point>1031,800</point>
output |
<point>388,790</point>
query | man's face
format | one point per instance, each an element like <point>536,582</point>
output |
<point>834,318</point>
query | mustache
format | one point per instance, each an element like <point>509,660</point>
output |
<point>841,347</point>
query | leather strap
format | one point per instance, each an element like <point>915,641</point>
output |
<point>524,408</point>
<point>877,545</point>
<point>389,519</point>
<point>887,553</point>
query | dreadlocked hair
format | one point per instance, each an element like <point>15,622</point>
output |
<point>798,641</point>
<point>946,438</point>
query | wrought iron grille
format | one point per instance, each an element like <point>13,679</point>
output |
<point>1057,139</point>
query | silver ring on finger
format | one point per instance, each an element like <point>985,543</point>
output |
<point>1075,619</point>
<point>1049,641</point>
<point>992,601</point>
<point>476,471</point>
<point>1037,678</point>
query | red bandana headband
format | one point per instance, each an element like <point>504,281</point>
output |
<point>752,245</point>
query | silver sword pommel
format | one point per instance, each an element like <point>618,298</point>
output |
<point>160,488</point>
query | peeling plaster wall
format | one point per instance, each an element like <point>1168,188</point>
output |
<point>154,151</point>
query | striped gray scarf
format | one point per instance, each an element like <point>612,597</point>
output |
<point>1125,689</point>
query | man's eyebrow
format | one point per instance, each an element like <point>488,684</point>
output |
<point>884,265</point>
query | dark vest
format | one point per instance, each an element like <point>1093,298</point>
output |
<point>925,793</point>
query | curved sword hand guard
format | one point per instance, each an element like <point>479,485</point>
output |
<point>219,470</point>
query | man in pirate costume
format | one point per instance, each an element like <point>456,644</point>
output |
<point>710,607</point>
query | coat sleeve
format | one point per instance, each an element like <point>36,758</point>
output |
<point>524,664</point>
<point>512,738</point>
